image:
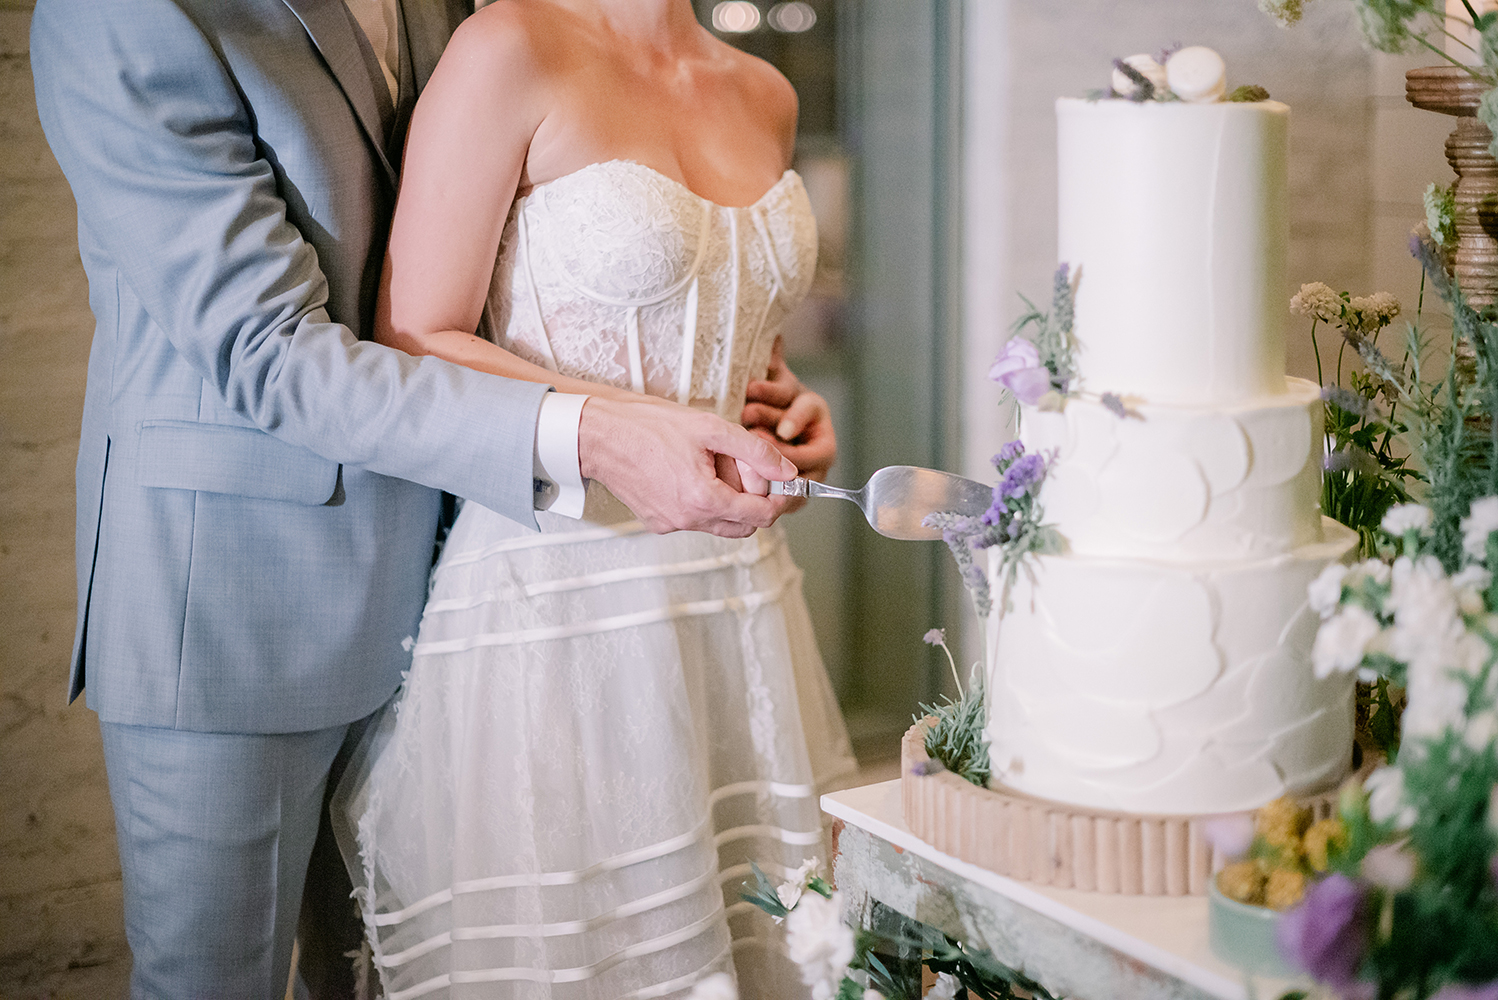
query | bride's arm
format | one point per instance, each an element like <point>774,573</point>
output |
<point>464,156</point>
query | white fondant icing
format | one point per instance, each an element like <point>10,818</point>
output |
<point>1142,686</point>
<point>1175,215</point>
<point>1162,664</point>
<point>1184,484</point>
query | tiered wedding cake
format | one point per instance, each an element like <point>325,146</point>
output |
<point>1161,665</point>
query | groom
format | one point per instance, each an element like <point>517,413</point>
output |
<point>259,486</point>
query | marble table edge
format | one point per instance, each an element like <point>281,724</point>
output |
<point>876,809</point>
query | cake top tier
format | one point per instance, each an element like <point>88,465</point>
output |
<point>1173,216</point>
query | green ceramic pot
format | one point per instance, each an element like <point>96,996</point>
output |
<point>1243,935</point>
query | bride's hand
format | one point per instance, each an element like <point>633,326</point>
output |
<point>797,421</point>
<point>662,463</point>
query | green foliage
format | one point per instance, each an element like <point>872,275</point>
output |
<point>1440,213</point>
<point>957,738</point>
<point>1444,926</point>
<point>1365,476</point>
<point>1249,93</point>
<point>1378,717</point>
<point>1052,331</point>
<point>1450,418</point>
<point>763,894</point>
<point>982,975</point>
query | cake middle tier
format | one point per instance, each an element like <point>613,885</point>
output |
<point>1184,484</point>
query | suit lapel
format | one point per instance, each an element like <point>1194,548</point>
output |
<point>429,24</point>
<point>332,30</point>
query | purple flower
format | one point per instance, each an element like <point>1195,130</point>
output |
<point>935,637</point>
<point>1345,399</point>
<point>1327,934</point>
<point>1114,404</point>
<point>1026,471</point>
<point>1464,991</point>
<point>1428,253</point>
<point>930,766</point>
<point>1018,369</point>
<point>1014,449</point>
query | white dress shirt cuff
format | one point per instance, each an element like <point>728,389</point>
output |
<point>560,487</point>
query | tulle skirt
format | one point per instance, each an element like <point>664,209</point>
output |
<point>600,730</point>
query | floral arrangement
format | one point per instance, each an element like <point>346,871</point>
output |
<point>1410,905</point>
<point>955,739</point>
<point>839,962</point>
<point>1014,526</point>
<point>1280,850</point>
<point>1364,473</point>
<point>1039,370</point>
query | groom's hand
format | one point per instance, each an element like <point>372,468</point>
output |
<point>662,460</point>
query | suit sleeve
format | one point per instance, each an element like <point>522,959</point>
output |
<point>160,151</point>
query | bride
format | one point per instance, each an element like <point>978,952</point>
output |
<point>602,727</point>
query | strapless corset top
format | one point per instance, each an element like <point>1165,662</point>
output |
<point>619,274</point>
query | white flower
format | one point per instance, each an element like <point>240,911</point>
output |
<point>718,986</point>
<point>820,943</point>
<point>1343,640</point>
<point>1325,591</point>
<point>1317,300</point>
<point>1371,313</point>
<point>1482,730</point>
<point>1385,788</point>
<point>789,894</point>
<point>946,987</point>
<point>1390,866</point>
<point>1403,518</point>
<point>1481,521</point>
<point>1437,702</point>
<point>1470,583</point>
<point>1369,569</point>
<point>1427,618</point>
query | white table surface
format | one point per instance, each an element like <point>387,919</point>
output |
<point>1167,933</point>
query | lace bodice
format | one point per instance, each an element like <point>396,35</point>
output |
<point>618,274</point>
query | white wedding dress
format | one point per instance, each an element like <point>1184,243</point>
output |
<point>602,727</point>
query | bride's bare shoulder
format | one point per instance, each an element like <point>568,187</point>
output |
<point>515,41</point>
<point>761,87</point>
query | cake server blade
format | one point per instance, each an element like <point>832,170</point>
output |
<point>898,498</point>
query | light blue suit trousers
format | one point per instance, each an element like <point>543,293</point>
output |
<point>186,803</point>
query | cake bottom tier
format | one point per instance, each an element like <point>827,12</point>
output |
<point>1144,687</point>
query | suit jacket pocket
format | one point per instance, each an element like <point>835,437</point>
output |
<point>221,458</point>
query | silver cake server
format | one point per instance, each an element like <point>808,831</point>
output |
<point>896,499</point>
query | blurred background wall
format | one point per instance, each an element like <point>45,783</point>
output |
<point>927,143</point>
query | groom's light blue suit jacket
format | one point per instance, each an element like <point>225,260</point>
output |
<point>258,485</point>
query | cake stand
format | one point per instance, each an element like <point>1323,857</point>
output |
<point>1054,843</point>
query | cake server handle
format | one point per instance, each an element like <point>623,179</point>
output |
<point>897,499</point>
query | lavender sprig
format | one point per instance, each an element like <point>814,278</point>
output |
<point>1012,524</point>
